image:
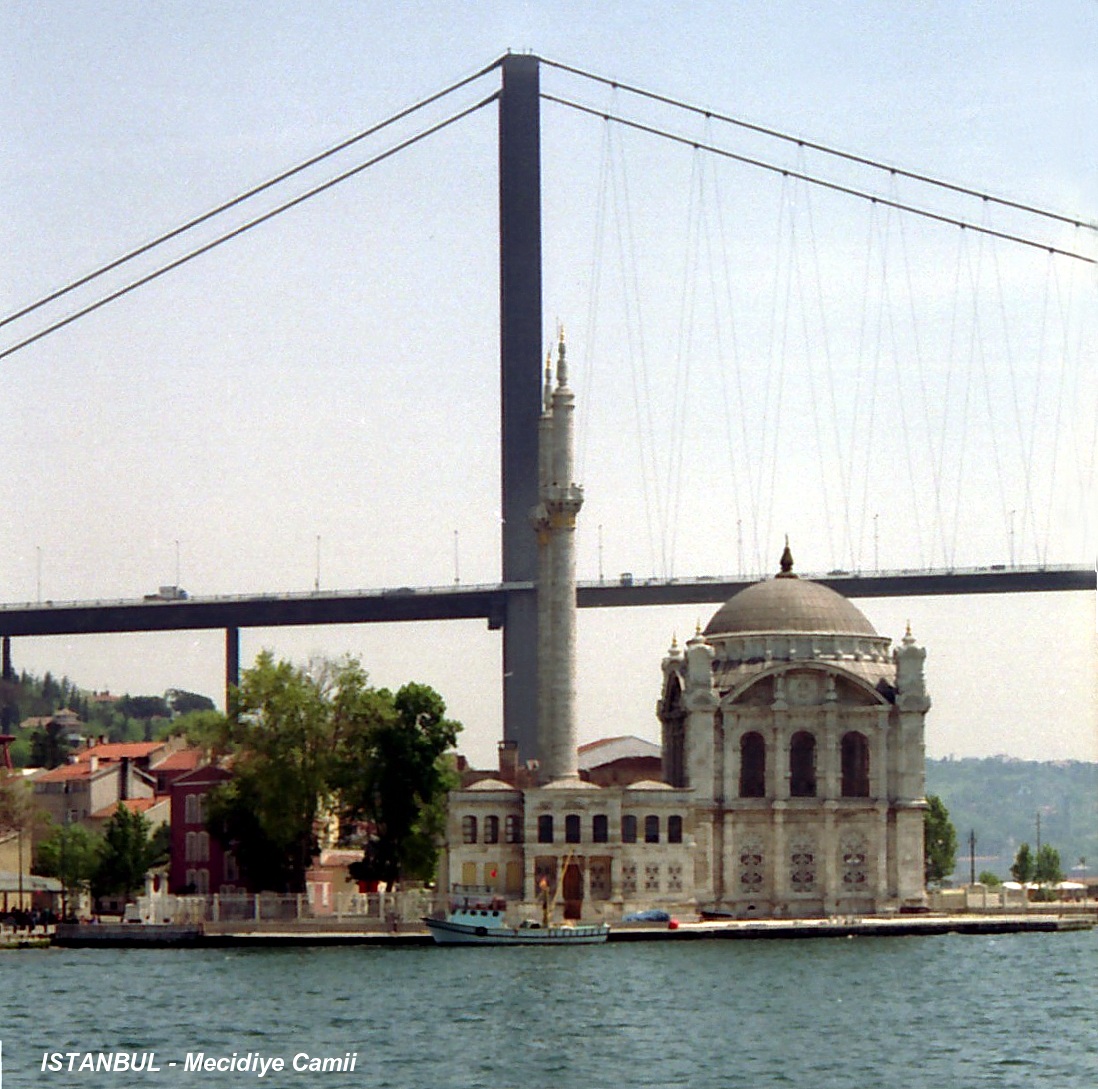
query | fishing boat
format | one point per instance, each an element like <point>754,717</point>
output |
<point>481,921</point>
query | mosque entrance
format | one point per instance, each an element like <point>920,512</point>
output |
<point>571,888</point>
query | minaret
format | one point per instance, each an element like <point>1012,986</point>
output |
<point>555,522</point>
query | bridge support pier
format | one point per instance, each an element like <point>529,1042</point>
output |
<point>7,716</point>
<point>232,662</point>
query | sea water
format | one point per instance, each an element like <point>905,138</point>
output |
<point>874,1013</point>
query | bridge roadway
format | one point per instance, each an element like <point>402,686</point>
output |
<point>489,602</point>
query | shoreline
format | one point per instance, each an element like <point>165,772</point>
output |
<point>138,935</point>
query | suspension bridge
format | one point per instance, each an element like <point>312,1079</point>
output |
<point>865,374</point>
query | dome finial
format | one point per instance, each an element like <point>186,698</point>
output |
<point>786,562</point>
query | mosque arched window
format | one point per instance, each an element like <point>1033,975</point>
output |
<point>674,828</point>
<point>545,828</point>
<point>600,828</point>
<point>468,829</point>
<point>512,828</point>
<point>629,828</point>
<point>752,766</point>
<point>572,828</point>
<point>491,829</point>
<point>652,829</point>
<point>802,765</point>
<point>855,762</point>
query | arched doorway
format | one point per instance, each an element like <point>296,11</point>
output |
<point>572,889</point>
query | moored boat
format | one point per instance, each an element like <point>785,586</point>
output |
<point>482,922</point>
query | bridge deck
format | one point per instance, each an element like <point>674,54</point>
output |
<point>488,602</point>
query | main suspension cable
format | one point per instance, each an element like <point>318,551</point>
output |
<point>236,232</point>
<point>255,190</point>
<point>823,148</point>
<point>873,198</point>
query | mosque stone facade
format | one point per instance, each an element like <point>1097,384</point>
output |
<point>799,732</point>
<point>792,741</point>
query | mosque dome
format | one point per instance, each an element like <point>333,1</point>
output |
<point>787,603</point>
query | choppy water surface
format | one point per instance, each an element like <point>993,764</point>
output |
<point>1005,1011</point>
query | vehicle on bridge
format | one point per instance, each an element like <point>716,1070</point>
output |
<point>168,593</point>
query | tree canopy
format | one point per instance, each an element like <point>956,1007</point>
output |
<point>1023,866</point>
<point>129,849</point>
<point>307,744</point>
<point>939,840</point>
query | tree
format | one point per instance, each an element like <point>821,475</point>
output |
<point>939,840</point>
<point>71,854</point>
<point>1023,866</point>
<point>49,746</point>
<point>280,732</point>
<point>1046,867</point>
<point>311,742</point>
<point>988,878</point>
<point>394,778</point>
<point>183,703</point>
<point>128,851</point>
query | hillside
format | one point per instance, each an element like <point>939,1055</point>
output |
<point>999,798</point>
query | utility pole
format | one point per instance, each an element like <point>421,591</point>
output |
<point>972,857</point>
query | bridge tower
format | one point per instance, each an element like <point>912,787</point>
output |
<point>520,386</point>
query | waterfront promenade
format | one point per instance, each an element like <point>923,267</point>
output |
<point>299,933</point>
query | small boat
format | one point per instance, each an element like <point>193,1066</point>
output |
<point>481,922</point>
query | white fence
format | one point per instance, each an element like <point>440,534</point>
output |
<point>382,908</point>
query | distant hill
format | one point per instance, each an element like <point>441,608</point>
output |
<point>999,798</point>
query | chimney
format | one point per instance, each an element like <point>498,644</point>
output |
<point>508,761</point>
<point>93,764</point>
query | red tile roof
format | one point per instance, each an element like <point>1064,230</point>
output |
<point>134,805</point>
<point>64,773</point>
<point>180,760</point>
<point>117,750</point>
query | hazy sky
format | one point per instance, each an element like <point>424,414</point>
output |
<point>753,357</point>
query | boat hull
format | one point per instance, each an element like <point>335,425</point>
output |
<point>446,932</point>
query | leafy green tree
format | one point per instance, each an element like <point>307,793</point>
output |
<point>939,840</point>
<point>394,779</point>
<point>280,732</point>
<point>71,854</point>
<point>49,747</point>
<point>988,878</point>
<point>144,707</point>
<point>1022,869</point>
<point>128,851</point>
<point>183,702</point>
<point>1046,867</point>
<point>307,743</point>
<point>17,810</point>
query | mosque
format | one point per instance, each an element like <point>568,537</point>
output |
<point>792,778</point>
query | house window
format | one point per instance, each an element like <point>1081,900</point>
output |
<point>232,870</point>
<point>491,829</point>
<point>190,815</point>
<point>572,828</point>
<point>545,828</point>
<point>752,766</point>
<point>629,828</point>
<point>600,828</point>
<point>674,829</point>
<point>802,765</point>
<point>651,829</point>
<point>629,878</point>
<point>468,829</point>
<point>651,877</point>
<point>855,760</point>
<point>512,828</point>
